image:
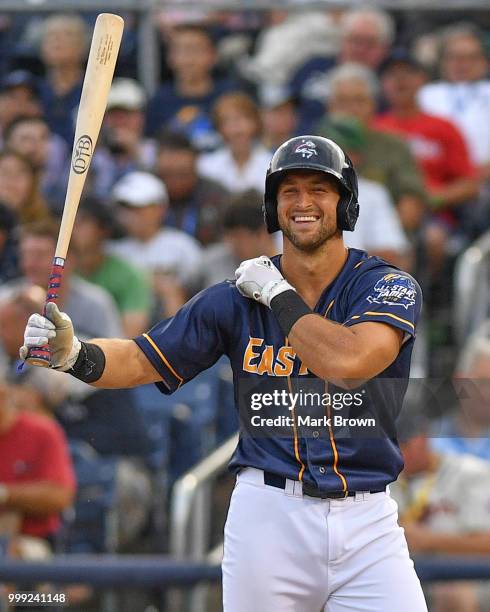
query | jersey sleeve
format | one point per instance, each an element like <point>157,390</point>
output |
<point>385,295</point>
<point>193,340</point>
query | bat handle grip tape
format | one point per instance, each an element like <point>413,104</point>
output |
<point>41,356</point>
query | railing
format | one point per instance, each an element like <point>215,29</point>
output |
<point>162,571</point>
<point>109,571</point>
<point>189,530</point>
<point>472,288</point>
<point>190,518</point>
<point>133,571</point>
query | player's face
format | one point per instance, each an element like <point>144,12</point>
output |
<point>307,208</point>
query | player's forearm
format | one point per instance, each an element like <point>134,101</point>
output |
<point>125,366</point>
<point>343,355</point>
<point>331,351</point>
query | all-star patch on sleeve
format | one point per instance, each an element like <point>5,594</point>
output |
<point>193,340</point>
<point>386,295</point>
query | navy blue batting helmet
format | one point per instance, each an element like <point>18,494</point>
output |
<point>313,153</point>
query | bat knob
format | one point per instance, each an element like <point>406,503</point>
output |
<point>40,357</point>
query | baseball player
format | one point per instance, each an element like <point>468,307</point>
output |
<point>311,525</point>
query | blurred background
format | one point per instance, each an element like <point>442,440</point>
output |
<point>122,495</point>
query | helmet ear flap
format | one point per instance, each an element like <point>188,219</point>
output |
<point>347,212</point>
<point>348,206</point>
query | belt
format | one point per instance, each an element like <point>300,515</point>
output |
<point>275,480</point>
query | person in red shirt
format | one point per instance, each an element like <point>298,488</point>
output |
<point>36,474</point>
<point>437,145</point>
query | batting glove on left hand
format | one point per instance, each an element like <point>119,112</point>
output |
<point>55,330</point>
<point>260,280</point>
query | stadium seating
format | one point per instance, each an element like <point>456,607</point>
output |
<point>92,525</point>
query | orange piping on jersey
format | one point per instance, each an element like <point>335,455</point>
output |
<point>361,262</point>
<point>295,433</point>
<point>389,314</point>
<point>335,452</point>
<point>329,307</point>
<point>330,431</point>
<point>162,357</point>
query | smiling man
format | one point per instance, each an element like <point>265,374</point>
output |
<point>311,523</point>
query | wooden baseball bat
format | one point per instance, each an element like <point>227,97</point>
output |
<point>104,48</point>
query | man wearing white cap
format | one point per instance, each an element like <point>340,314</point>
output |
<point>170,255</point>
<point>123,147</point>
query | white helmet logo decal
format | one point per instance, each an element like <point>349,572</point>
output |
<point>307,149</point>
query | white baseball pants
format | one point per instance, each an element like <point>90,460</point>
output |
<point>285,552</point>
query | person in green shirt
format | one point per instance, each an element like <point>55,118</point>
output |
<point>128,285</point>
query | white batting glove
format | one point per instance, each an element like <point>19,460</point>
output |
<point>56,330</point>
<point>260,280</point>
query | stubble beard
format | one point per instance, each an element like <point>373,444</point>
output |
<point>309,244</point>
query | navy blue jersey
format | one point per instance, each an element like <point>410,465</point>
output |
<point>220,321</point>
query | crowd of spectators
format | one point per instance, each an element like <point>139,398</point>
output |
<point>173,203</point>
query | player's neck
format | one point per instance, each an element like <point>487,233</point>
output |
<point>311,273</point>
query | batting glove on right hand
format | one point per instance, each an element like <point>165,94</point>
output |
<point>56,330</point>
<point>260,280</point>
